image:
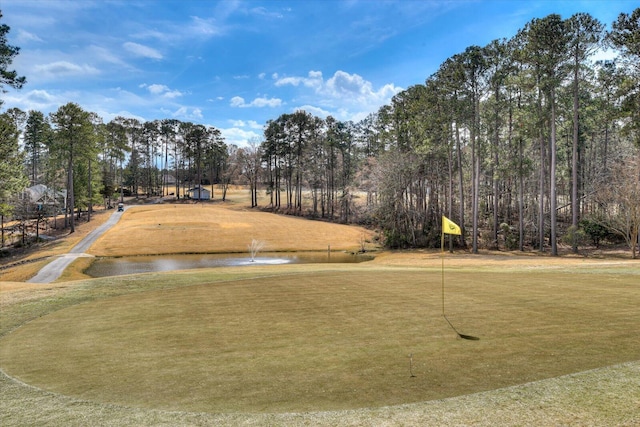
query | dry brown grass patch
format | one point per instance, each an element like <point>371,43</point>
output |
<point>209,228</point>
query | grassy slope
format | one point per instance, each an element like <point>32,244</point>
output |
<point>212,228</point>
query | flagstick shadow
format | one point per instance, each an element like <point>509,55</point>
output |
<point>463,336</point>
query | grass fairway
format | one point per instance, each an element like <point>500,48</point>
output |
<point>211,228</point>
<point>313,337</point>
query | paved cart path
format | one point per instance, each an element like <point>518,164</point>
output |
<point>55,268</point>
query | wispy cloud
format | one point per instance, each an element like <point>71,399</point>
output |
<point>65,69</point>
<point>24,37</point>
<point>264,12</point>
<point>142,50</point>
<point>206,27</point>
<point>101,54</point>
<point>195,28</point>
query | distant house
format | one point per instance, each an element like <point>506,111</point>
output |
<point>41,196</point>
<point>169,179</point>
<point>199,193</point>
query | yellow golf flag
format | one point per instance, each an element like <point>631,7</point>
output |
<point>450,227</point>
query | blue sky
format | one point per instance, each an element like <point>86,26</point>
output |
<point>236,64</point>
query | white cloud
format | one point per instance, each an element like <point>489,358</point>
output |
<point>313,80</point>
<point>239,137</point>
<point>107,116</point>
<point>316,111</point>
<point>41,96</point>
<point>252,124</point>
<point>142,50</point>
<point>344,96</point>
<point>204,27</point>
<point>154,88</point>
<point>38,99</point>
<point>162,90</point>
<point>603,54</point>
<point>182,31</point>
<point>261,76</point>
<point>25,37</point>
<point>266,102</point>
<point>353,87</point>
<point>172,94</point>
<point>239,102</point>
<point>263,11</point>
<point>99,53</point>
<point>65,69</point>
<point>188,114</point>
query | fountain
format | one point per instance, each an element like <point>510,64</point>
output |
<point>254,248</point>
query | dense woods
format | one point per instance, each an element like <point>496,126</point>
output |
<point>526,143</point>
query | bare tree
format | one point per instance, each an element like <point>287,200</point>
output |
<point>619,195</point>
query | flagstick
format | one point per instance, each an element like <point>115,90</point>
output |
<point>442,257</point>
<point>455,230</point>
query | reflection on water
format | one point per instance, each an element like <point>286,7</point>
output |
<point>103,267</point>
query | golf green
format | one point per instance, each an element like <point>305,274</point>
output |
<point>328,339</point>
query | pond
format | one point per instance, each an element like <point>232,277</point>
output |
<point>104,267</point>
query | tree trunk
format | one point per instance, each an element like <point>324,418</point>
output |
<point>574,156</point>
<point>520,194</point>
<point>552,178</point>
<point>70,196</point>
<point>541,186</point>
<point>460,187</point>
<point>90,207</point>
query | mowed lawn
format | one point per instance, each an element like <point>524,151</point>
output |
<point>313,337</point>
<point>210,228</point>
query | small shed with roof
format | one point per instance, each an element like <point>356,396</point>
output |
<point>199,193</point>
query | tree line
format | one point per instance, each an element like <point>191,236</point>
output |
<point>512,140</point>
<point>525,142</point>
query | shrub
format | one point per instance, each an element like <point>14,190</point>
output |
<point>575,237</point>
<point>595,230</point>
<point>511,239</point>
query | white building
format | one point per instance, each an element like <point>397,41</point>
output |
<point>199,193</point>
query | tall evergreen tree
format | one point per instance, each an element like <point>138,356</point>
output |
<point>625,36</point>
<point>585,34</point>
<point>36,135</point>
<point>12,178</point>
<point>547,40</point>
<point>7,53</point>
<point>73,140</point>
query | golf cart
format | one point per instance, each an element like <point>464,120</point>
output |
<point>120,207</point>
